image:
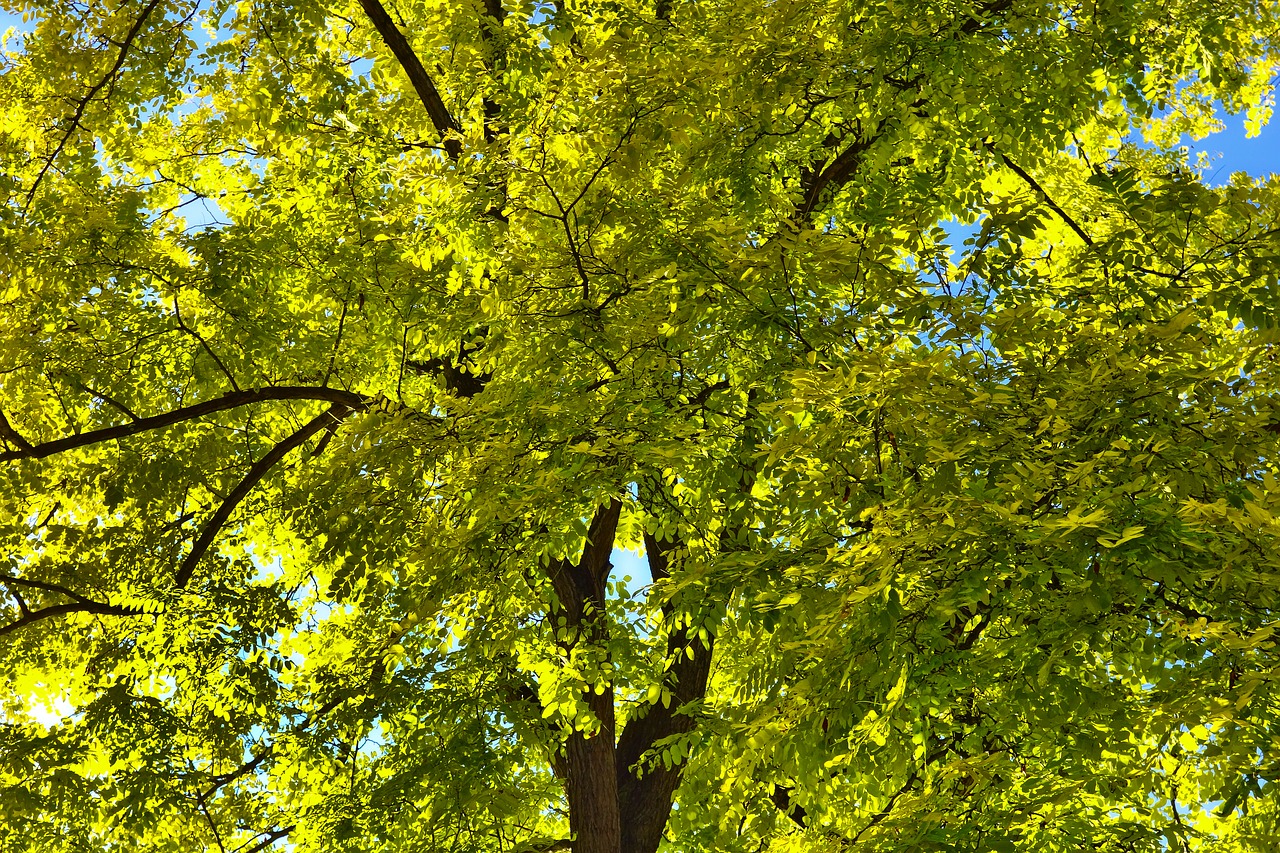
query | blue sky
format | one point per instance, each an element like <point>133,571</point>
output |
<point>1230,152</point>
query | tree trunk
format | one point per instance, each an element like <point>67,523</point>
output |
<point>591,784</point>
<point>613,809</point>
<point>591,776</point>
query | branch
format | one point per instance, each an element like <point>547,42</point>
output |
<point>41,585</point>
<point>256,761</point>
<point>459,373</point>
<point>243,770</point>
<point>819,184</point>
<point>177,314</point>
<point>80,604</point>
<point>444,122</point>
<point>1053,205</point>
<point>271,838</point>
<point>490,31</point>
<point>518,691</point>
<point>186,413</point>
<point>76,607</point>
<point>112,402</point>
<point>580,584</point>
<point>213,526</point>
<point>647,797</point>
<point>11,435</point>
<point>83,105</point>
<point>985,12</point>
<point>457,379</point>
<point>781,798</point>
<point>887,810</point>
<point>699,400</point>
<point>545,845</point>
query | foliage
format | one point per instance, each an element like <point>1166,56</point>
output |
<point>345,345</point>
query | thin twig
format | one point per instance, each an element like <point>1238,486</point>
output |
<point>83,105</point>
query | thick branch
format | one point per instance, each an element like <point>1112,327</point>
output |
<point>490,31</point>
<point>781,798</point>
<point>443,120</point>
<point>186,413</point>
<point>646,797</point>
<point>457,380</point>
<point>582,584</point>
<point>74,607</point>
<point>985,13</point>
<point>213,526</point>
<point>11,435</point>
<point>819,184</point>
<point>459,372</point>
<point>590,762</point>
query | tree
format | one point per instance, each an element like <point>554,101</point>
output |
<point>346,346</point>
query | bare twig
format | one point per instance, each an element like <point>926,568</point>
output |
<point>177,313</point>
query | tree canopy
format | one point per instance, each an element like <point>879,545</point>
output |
<point>346,347</point>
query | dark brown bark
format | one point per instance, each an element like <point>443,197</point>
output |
<point>440,116</point>
<point>645,797</point>
<point>233,400</point>
<point>594,818</point>
<point>213,526</point>
<point>985,14</point>
<point>781,798</point>
<point>590,759</point>
<point>823,180</point>
<point>74,607</point>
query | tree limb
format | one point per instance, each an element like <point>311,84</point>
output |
<point>646,797</point>
<point>271,838</point>
<point>255,762</point>
<point>11,435</point>
<point>818,184</point>
<point>1053,205</point>
<point>985,12</point>
<point>580,585</point>
<point>186,413</point>
<point>590,768</point>
<point>213,526</point>
<point>490,31</point>
<point>443,120</point>
<point>74,607</point>
<point>41,585</point>
<point>781,798</point>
